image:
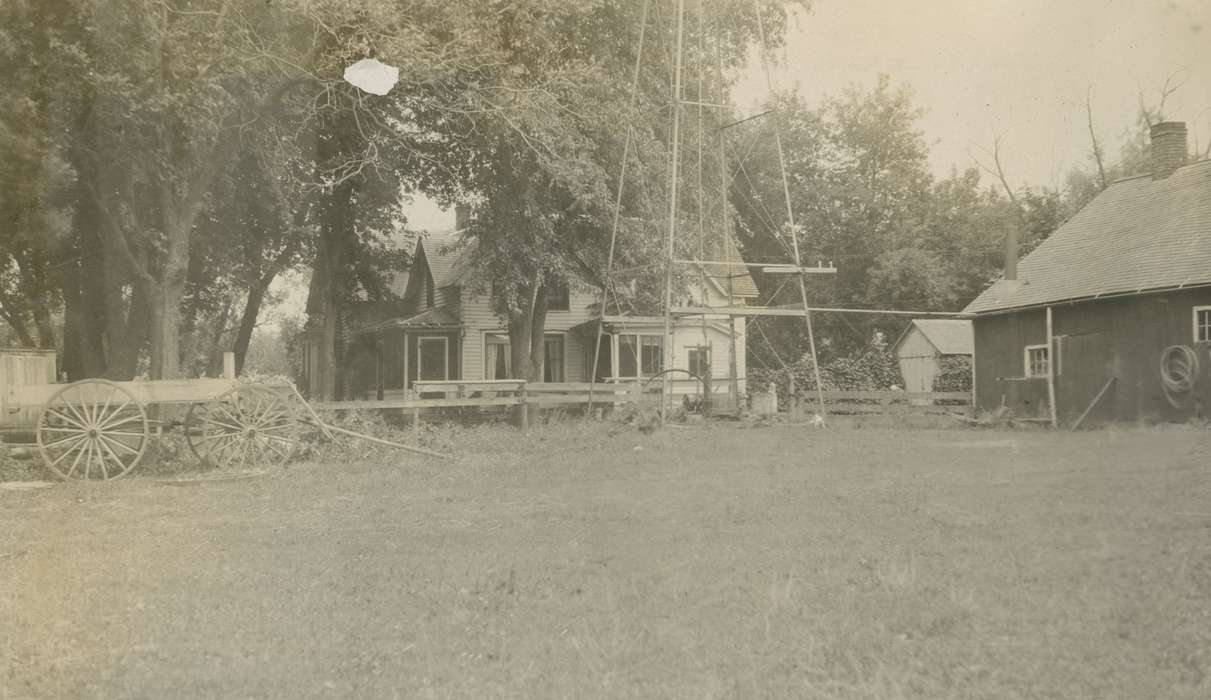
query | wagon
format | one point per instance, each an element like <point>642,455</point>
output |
<point>97,429</point>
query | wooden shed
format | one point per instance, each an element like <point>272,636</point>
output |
<point>924,343</point>
<point>1110,317</point>
<point>19,367</point>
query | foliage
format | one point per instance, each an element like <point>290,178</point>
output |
<point>954,373</point>
<point>873,368</point>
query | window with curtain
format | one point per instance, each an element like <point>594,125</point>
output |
<point>552,361</point>
<point>497,357</point>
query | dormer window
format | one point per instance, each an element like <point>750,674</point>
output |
<point>428,291</point>
<point>557,297</point>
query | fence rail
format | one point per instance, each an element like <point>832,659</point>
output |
<point>428,395</point>
<point>885,403</point>
<point>451,394</point>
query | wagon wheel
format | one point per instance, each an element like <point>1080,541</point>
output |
<point>92,429</point>
<point>248,425</point>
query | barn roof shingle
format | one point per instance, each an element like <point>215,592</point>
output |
<point>1138,235</point>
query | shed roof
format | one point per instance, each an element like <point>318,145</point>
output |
<point>1138,235</point>
<point>949,336</point>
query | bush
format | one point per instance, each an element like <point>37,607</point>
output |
<point>874,369</point>
<point>954,374</point>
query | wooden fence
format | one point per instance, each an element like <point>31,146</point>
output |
<point>883,403</point>
<point>427,397</point>
<point>433,398</point>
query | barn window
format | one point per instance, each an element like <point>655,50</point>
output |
<point>1202,324</point>
<point>1037,359</point>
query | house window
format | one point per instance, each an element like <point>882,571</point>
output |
<point>1037,359</point>
<point>700,360</point>
<point>639,355</point>
<point>557,297</point>
<point>498,357</point>
<point>552,361</point>
<point>432,358</point>
<point>1202,324</point>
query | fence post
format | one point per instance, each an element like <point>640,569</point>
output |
<point>229,365</point>
<point>792,399</point>
<point>525,406</point>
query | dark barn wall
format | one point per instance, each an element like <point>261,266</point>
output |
<point>1000,369</point>
<point>1124,337</point>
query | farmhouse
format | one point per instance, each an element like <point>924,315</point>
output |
<point>922,346</point>
<point>446,328</point>
<point>1125,289</point>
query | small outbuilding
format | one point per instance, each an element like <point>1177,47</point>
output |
<point>923,345</point>
<point>1110,317</point>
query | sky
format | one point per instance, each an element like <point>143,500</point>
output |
<point>982,69</point>
<point>1014,69</point>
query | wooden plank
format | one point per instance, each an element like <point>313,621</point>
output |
<point>162,391</point>
<point>411,403</point>
<point>899,395</point>
<point>1093,403</point>
<point>768,311</point>
<point>425,387</point>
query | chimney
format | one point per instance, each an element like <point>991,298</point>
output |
<point>462,216</point>
<point>1012,241</point>
<point>1168,148</point>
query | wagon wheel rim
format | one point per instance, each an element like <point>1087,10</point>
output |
<point>93,429</point>
<point>247,426</point>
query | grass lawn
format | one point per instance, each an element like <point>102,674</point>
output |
<point>588,561</point>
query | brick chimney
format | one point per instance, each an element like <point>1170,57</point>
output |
<point>1168,148</point>
<point>462,216</point>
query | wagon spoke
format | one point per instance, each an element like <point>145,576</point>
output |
<point>228,426</point>
<point>118,443</point>
<point>269,442</point>
<point>244,454</point>
<point>108,423</point>
<point>67,419</point>
<point>108,399</point>
<point>67,452</point>
<point>74,436</point>
<point>72,407</point>
<point>126,434</point>
<point>104,471</point>
<point>88,460</point>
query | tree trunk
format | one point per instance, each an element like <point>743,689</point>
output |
<point>17,323</point>
<point>252,309</point>
<point>526,333</point>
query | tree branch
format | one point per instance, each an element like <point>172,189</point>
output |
<point>113,231</point>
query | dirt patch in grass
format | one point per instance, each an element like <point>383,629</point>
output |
<point>713,561</point>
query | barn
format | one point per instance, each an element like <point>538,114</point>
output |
<point>922,346</point>
<point>1113,306</point>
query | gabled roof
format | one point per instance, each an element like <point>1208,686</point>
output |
<point>738,276</point>
<point>948,336</point>
<point>449,256</point>
<point>1138,235</point>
